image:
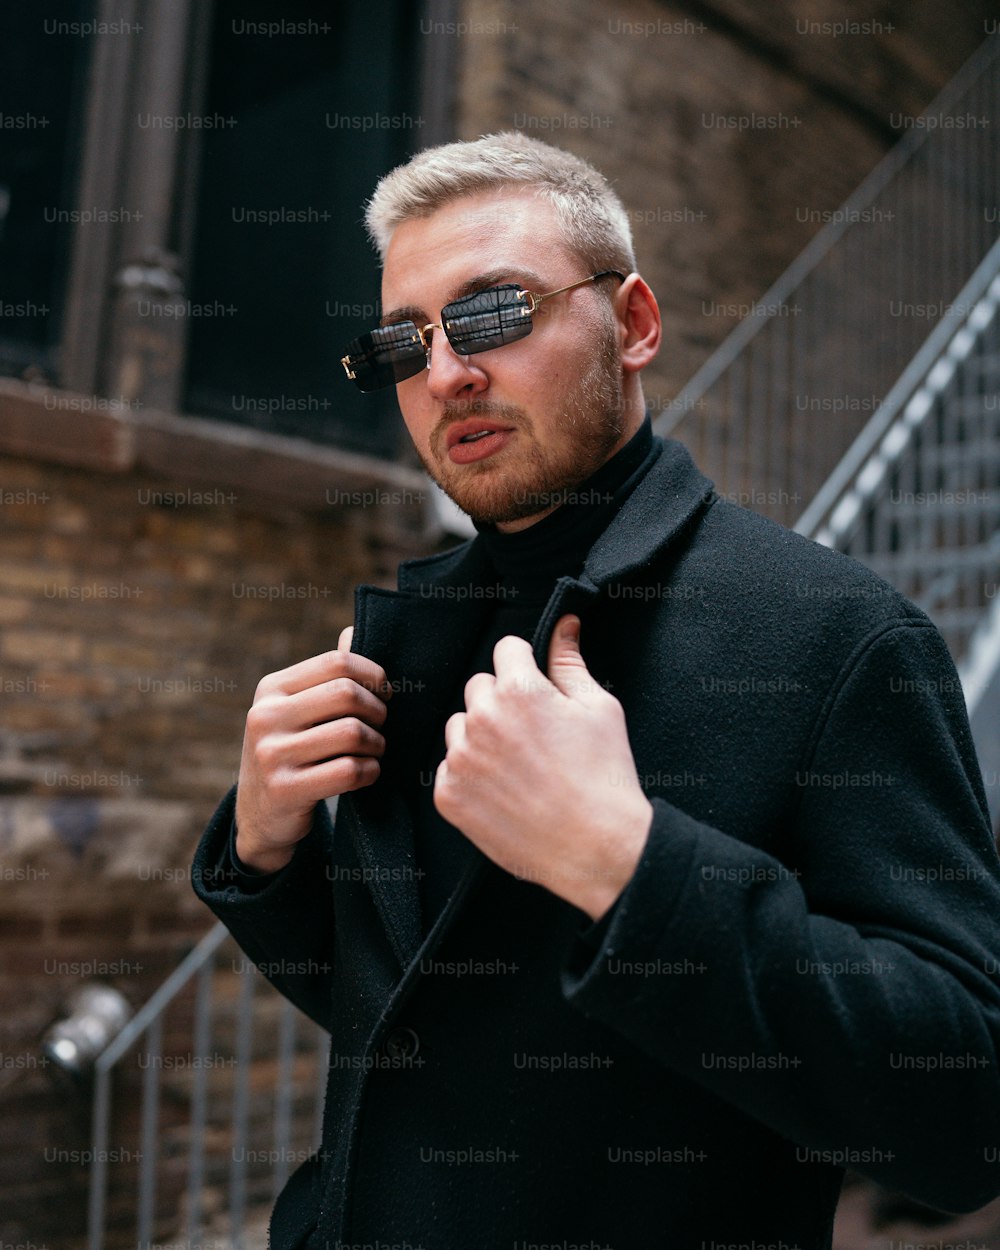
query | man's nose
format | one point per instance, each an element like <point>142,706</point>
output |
<point>449,374</point>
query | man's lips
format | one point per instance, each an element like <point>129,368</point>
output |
<point>475,425</point>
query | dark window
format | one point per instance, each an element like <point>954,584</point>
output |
<point>44,52</point>
<point>281,276</point>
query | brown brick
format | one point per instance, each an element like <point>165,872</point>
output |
<point>123,655</point>
<point>41,647</point>
<point>17,928</point>
<point>13,610</point>
<point>43,582</point>
<point>100,924</point>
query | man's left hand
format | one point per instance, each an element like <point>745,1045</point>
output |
<point>539,773</point>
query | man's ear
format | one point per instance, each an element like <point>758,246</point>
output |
<point>640,326</point>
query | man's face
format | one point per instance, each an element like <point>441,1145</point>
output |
<point>552,401</point>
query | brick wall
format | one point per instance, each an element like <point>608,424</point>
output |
<point>653,93</point>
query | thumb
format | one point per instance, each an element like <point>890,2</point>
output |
<point>566,668</point>
<point>344,641</point>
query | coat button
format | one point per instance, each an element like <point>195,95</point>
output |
<point>401,1044</point>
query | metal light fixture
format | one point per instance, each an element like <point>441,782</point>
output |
<point>97,1013</point>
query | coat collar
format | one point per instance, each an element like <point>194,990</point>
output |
<point>424,635</point>
<point>669,494</point>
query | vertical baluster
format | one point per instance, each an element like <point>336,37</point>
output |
<point>199,1100</point>
<point>284,1095</point>
<point>99,1167</point>
<point>150,1116</point>
<point>241,1107</point>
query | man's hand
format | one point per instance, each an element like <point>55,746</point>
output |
<point>539,774</point>
<point>312,733</point>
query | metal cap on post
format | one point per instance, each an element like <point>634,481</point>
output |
<point>97,1014</point>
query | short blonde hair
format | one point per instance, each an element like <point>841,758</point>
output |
<point>593,220</point>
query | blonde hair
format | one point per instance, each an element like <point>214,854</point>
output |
<point>593,220</point>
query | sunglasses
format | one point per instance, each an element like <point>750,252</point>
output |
<point>475,323</point>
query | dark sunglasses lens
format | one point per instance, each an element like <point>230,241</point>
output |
<point>487,319</point>
<point>385,356</point>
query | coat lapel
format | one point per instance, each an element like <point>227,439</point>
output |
<point>424,635</point>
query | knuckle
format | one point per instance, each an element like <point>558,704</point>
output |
<point>267,755</point>
<point>444,788</point>
<point>276,788</point>
<point>262,714</point>
<point>265,686</point>
<point>459,757</point>
<point>515,688</point>
<point>357,735</point>
<point>352,729</point>
<point>355,771</point>
<point>342,690</point>
<point>339,663</point>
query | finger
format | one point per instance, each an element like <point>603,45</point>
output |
<point>326,742</point>
<point>337,776</point>
<point>515,667</point>
<point>349,773</point>
<point>346,636</point>
<point>479,687</point>
<point>325,667</point>
<point>566,666</point>
<point>440,782</point>
<point>327,702</point>
<point>454,730</point>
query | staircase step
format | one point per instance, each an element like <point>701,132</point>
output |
<point>976,408</point>
<point>940,503</point>
<point>981,559</point>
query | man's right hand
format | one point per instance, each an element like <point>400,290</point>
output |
<point>312,733</point>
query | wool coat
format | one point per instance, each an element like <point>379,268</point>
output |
<point>800,976</point>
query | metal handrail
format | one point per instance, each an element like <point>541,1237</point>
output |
<point>108,1058</point>
<point>912,379</point>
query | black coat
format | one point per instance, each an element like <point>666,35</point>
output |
<point>801,973</point>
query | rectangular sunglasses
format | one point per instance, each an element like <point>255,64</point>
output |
<point>474,323</point>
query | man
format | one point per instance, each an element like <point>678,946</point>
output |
<point>660,886</point>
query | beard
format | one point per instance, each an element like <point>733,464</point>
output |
<point>526,479</point>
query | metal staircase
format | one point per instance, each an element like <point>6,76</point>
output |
<point>917,498</point>
<point>859,403</point>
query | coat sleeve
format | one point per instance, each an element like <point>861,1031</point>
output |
<point>283,921</point>
<point>849,1000</point>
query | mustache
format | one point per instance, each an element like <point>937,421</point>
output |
<point>453,412</point>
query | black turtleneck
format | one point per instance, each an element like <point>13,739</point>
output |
<point>534,558</point>
<point>528,563</point>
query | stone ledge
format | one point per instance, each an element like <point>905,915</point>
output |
<point>265,471</point>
